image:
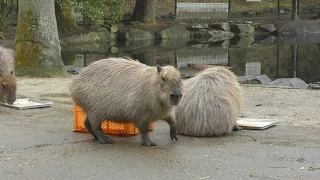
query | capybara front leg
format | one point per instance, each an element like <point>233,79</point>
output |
<point>89,128</point>
<point>237,128</point>
<point>144,133</point>
<point>173,129</point>
<point>97,131</point>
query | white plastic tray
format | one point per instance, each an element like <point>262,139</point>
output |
<point>258,124</point>
<point>27,103</point>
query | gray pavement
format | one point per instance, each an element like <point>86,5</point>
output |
<point>39,144</point>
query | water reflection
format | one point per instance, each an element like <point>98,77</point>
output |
<point>276,60</point>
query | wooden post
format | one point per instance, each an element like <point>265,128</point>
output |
<point>175,9</point>
<point>294,15</point>
<point>278,9</point>
<point>229,8</point>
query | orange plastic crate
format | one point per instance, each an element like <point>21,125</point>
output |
<point>107,127</point>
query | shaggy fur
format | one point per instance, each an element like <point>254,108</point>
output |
<point>7,80</point>
<point>125,90</point>
<point>211,103</point>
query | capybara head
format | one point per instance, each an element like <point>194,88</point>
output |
<point>170,82</point>
<point>8,88</point>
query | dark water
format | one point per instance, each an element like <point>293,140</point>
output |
<point>276,60</point>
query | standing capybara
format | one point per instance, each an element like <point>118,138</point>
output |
<point>8,84</point>
<point>124,90</point>
<point>211,103</point>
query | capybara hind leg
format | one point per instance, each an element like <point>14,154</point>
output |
<point>97,131</point>
<point>89,128</point>
<point>237,128</point>
<point>144,134</point>
<point>173,129</point>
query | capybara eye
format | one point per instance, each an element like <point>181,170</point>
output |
<point>163,79</point>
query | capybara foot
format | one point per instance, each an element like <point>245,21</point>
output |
<point>173,133</point>
<point>237,128</point>
<point>148,143</point>
<point>89,128</point>
<point>103,138</point>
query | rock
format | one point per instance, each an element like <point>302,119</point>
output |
<point>114,49</point>
<point>72,70</point>
<point>134,34</point>
<point>290,82</point>
<point>101,34</point>
<point>300,31</point>
<point>245,79</point>
<point>300,27</point>
<point>202,34</point>
<point>132,45</point>
<point>191,26</point>
<point>177,31</point>
<point>220,25</point>
<point>242,28</point>
<point>87,47</point>
<point>264,79</point>
<point>269,40</point>
<point>247,13</point>
<point>267,28</point>
<point>282,11</point>
<point>242,40</point>
<point>114,29</point>
<point>172,44</point>
<point>315,85</point>
<point>252,79</point>
<point>219,35</point>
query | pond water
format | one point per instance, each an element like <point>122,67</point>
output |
<point>276,60</point>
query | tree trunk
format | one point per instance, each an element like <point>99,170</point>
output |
<point>294,15</point>
<point>37,45</point>
<point>145,11</point>
<point>65,20</point>
<point>4,6</point>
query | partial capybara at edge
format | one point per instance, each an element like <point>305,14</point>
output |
<point>8,84</point>
<point>124,90</point>
<point>211,103</point>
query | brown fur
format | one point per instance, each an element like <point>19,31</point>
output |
<point>125,90</point>
<point>7,80</point>
<point>211,103</point>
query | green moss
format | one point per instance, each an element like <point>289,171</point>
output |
<point>27,26</point>
<point>28,58</point>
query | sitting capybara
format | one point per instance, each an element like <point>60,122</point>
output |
<point>211,103</point>
<point>8,84</point>
<point>124,90</point>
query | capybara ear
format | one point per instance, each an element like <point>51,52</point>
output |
<point>11,72</point>
<point>159,68</point>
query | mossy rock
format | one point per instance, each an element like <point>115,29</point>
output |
<point>134,34</point>
<point>96,36</point>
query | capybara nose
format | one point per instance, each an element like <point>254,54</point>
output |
<point>176,96</point>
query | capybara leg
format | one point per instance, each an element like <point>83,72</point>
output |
<point>88,127</point>
<point>97,131</point>
<point>237,128</point>
<point>144,133</point>
<point>173,129</point>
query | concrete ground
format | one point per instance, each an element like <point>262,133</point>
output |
<point>39,144</point>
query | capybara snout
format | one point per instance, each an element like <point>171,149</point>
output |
<point>11,97</point>
<point>176,95</point>
<point>7,78</point>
